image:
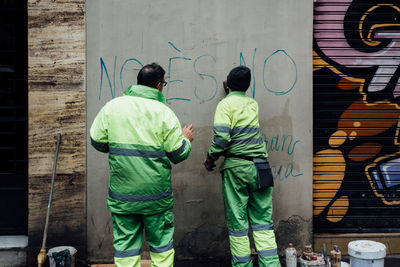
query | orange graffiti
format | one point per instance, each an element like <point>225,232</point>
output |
<point>364,151</point>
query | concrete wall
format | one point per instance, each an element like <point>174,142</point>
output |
<point>198,42</point>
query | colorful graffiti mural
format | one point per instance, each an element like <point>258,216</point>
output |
<point>356,115</point>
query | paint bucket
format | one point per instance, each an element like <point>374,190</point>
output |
<point>72,252</point>
<point>366,253</point>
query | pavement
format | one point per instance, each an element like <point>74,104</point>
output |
<point>390,261</point>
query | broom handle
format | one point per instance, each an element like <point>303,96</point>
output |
<point>51,192</point>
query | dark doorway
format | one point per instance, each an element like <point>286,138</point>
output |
<point>13,117</point>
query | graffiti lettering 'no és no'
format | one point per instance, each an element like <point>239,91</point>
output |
<point>212,90</point>
<point>276,144</point>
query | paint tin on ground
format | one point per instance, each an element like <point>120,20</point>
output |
<point>366,253</point>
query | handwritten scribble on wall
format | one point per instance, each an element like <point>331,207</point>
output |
<point>356,115</point>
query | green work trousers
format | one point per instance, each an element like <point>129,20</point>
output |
<point>128,231</point>
<point>243,202</point>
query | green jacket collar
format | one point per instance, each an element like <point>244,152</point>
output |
<point>145,92</point>
<point>238,93</point>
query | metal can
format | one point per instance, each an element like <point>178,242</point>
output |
<point>336,257</point>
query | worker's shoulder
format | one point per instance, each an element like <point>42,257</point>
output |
<point>237,100</point>
<point>137,100</point>
<point>116,100</point>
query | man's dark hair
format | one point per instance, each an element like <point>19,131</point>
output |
<point>150,75</point>
<point>239,78</point>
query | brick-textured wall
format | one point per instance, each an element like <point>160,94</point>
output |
<point>57,104</point>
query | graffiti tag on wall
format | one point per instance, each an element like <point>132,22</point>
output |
<point>112,76</point>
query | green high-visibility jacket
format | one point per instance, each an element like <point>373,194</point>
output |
<point>237,131</point>
<point>141,135</point>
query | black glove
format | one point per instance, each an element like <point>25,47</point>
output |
<point>209,164</point>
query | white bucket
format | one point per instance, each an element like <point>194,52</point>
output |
<point>72,252</point>
<point>366,253</point>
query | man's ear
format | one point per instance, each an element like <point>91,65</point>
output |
<point>159,86</point>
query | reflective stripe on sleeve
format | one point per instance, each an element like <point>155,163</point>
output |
<point>220,142</point>
<point>139,198</point>
<point>99,145</point>
<point>222,129</point>
<point>247,141</point>
<point>245,130</point>
<point>178,151</point>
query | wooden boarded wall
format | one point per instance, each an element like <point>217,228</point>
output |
<point>57,104</point>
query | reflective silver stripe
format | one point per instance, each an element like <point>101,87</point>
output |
<point>127,253</point>
<point>99,144</point>
<point>245,130</point>
<point>243,232</point>
<point>162,248</point>
<point>247,141</point>
<point>137,152</point>
<point>262,227</point>
<point>268,252</point>
<point>260,160</point>
<point>241,259</point>
<point>222,129</point>
<point>178,151</point>
<point>139,198</point>
<point>220,142</point>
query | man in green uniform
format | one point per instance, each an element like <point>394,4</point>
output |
<point>247,190</point>
<point>141,136</point>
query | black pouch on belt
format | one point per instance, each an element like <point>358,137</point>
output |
<point>265,178</point>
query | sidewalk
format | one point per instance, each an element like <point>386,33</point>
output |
<point>390,261</point>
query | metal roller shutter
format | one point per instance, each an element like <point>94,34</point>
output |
<point>356,116</point>
<point>13,118</point>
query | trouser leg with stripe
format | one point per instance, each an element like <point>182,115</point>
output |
<point>128,231</point>
<point>243,201</point>
<point>260,215</point>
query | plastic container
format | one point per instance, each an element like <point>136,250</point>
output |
<point>291,256</point>
<point>366,253</point>
<point>72,252</point>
